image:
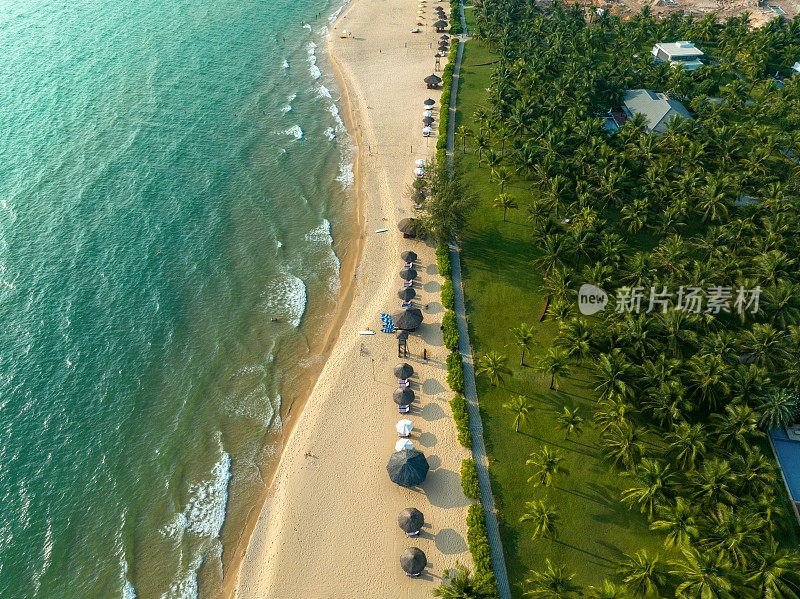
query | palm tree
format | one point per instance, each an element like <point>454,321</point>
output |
<point>547,464</point>
<point>493,367</point>
<point>461,584</point>
<point>506,202</point>
<point>703,575</point>
<point>736,426</point>
<point>523,337</point>
<point>502,176</point>
<point>653,480</point>
<point>521,408</point>
<point>612,371</point>
<point>621,444</point>
<point>642,574</point>
<point>463,133</point>
<point>553,583</point>
<point>679,522</point>
<point>570,422</point>
<point>545,519</point>
<point>776,573</point>
<point>554,363</point>
<point>573,336</point>
<point>714,482</point>
<point>608,590</point>
<point>687,444</point>
<point>614,413</point>
<point>778,408</point>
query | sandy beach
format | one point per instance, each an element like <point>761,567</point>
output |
<point>329,524</point>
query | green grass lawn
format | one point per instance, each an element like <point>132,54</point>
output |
<point>502,290</point>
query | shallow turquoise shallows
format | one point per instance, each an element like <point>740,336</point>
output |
<point>172,176</point>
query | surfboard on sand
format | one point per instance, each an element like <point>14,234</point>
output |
<point>366,332</point>
<point>381,230</point>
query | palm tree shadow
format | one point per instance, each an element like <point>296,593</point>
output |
<point>551,443</point>
<point>604,561</point>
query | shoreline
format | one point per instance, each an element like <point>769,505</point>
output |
<point>279,560</point>
<point>303,389</point>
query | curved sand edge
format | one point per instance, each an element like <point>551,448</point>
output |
<point>328,527</point>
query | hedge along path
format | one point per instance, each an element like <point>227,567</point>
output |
<point>470,391</point>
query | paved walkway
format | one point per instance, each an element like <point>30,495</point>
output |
<point>470,392</point>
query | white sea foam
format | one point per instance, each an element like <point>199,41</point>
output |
<point>330,133</point>
<point>307,26</point>
<point>322,233</point>
<point>278,241</point>
<point>285,297</point>
<point>323,92</point>
<point>185,587</point>
<point>205,511</point>
<point>175,527</point>
<point>285,64</point>
<point>312,60</point>
<point>345,176</point>
<point>286,108</point>
<point>127,591</point>
<point>294,131</point>
<point>315,72</point>
<point>335,15</point>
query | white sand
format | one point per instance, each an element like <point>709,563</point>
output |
<point>329,526</point>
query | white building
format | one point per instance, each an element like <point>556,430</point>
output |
<point>679,53</point>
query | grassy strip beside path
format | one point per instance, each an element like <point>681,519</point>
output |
<point>502,290</point>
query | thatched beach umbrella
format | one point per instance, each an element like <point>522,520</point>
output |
<point>403,397</point>
<point>407,468</point>
<point>410,521</point>
<point>428,120</point>
<point>440,24</point>
<point>408,227</point>
<point>408,255</point>
<point>409,274</point>
<point>443,45</point>
<point>403,370</point>
<point>445,37</point>
<point>432,80</point>
<point>408,320</point>
<point>429,102</point>
<point>413,561</point>
<point>407,294</point>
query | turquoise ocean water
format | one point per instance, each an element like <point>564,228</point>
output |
<point>172,176</point>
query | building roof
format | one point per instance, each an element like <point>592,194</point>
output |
<point>680,49</point>
<point>656,107</point>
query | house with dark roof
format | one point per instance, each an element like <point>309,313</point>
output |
<point>656,107</point>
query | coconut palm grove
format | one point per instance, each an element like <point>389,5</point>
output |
<point>628,424</point>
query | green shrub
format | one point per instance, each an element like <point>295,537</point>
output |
<point>441,155</point>
<point>469,479</point>
<point>455,372</point>
<point>443,261</point>
<point>478,543</point>
<point>461,415</point>
<point>448,296</point>
<point>450,330</point>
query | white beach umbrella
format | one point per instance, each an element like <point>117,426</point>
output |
<point>403,444</point>
<point>420,162</point>
<point>426,130</point>
<point>404,427</point>
<point>419,172</point>
<point>427,113</point>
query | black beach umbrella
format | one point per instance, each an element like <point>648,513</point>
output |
<point>407,468</point>
<point>403,370</point>
<point>433,80</point>
<point>440,24</point>
<point>429,102</point>
<point>444,37</point>
<point>408,274</point>
<point>407,294</point>
<point>408,320</point>
<point>411,520</point>
<point>408,226</point>
<point>403,397</point>
<point>408,255</point>
<point>428,120</point>
<point>443,46</point>
<point>413,561</point>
